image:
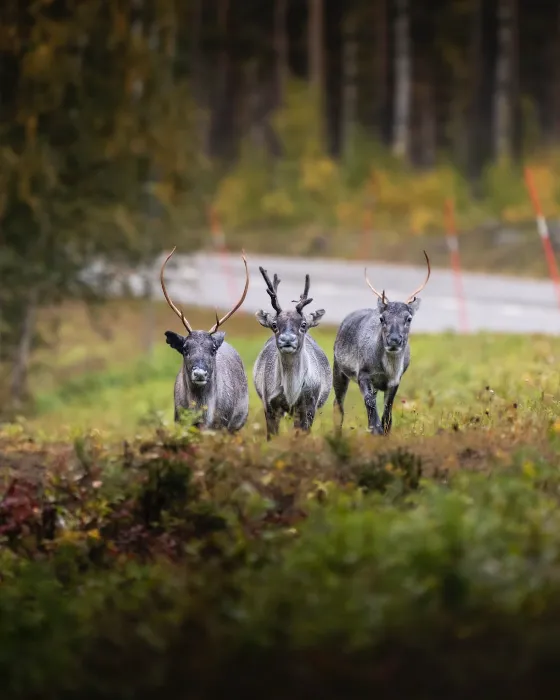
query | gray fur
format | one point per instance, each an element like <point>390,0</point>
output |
<point>224,399</point>
<point>362,353</point>
<point>291,374</point>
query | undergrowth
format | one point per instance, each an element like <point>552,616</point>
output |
<point>205,564</point>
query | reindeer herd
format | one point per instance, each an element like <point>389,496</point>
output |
<point>292,374</point>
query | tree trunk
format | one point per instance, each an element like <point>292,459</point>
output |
<point>427,121</point>
<point>503,97</point>
<point>281,50</point>
<point>401,133</point>
<point>196,65</point>
<point>149,315</point>
<point>517,117</point>
<point>475,157</point>
<point>219,137</point>
<point>381,72</point>
<point>350,85</point>
<point>20,367</point>
<point>315,51</point>
<point>556,80</point>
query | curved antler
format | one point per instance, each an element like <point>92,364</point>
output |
<point>221,321</point>
<point>168,299</point>
<point>303,300</point>
<point>374,290</point>
<point>272,289</point>
<point>421,287</point>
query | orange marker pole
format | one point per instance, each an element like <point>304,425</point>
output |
<point>219,241</point>
<point>453,246</point>
<point>542,228</point>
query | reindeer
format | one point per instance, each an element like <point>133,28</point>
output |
<point>372,349</point>
<point>291,374</point>
<point>212,379</point>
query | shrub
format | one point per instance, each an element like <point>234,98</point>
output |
<point>182,566</point>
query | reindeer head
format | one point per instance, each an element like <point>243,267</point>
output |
<point>199,348</point>
<point>395,317</point>
<point>289,327</point>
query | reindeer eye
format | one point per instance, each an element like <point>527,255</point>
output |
<point>382,319</point>
<point>303,325</point>
<point>409,319</point>
<point>274,326</point>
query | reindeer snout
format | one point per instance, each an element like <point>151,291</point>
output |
<point>199,375</point>
<point>287,341</point>
<point>394,341</point>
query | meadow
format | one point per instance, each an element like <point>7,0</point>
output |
<point>143,559</point>
<point>109,383</point>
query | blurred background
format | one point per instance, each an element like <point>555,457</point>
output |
<point>342,130</point>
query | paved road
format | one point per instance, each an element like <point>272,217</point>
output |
<point>494,303</point>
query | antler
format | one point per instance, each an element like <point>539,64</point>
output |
<point>421,287</point>
<point>374,290</point>
<point>272,289</point>
<point>167,298</point>
<point>412,296</point>
<point>221,321</point>
<point>303,300</point>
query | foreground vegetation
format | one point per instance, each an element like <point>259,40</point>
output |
<point>309,567</point>
<point>140,559</point>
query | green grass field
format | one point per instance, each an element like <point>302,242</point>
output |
<point>87,382</point>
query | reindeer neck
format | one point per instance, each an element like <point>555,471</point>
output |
<point>294,363</point>
<point>199,395</point>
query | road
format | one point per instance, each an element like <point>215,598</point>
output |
<point>494,303</point>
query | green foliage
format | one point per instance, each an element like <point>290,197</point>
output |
<point>186,557</point>
<point>307,190</point>
<point>85,156</point>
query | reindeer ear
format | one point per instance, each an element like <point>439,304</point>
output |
<point>263,318</point>
<point>414,305</point>
<point>175,340</point>
<point>218,339</point>
<point>315,317</point>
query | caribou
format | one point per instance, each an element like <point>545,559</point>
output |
<point>371,348</point>
<point>291,374</point>
<point>212,381</point>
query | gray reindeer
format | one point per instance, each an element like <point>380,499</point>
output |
<point>212,380</point>
<point>372,349</point>
<point>291,374</point>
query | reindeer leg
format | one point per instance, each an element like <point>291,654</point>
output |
<point>304,415</point>
<point>272,413</point>
<point>272,418</point>
<point>370,399</point>
<point>387,417</point>
<point>340,386</point>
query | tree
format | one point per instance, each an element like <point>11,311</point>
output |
<point>79,145</point>
<point>402,97</point>
<point>505,78</point>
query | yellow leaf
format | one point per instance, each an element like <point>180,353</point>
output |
<point>529,469</point>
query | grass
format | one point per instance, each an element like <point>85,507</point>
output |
<point>454,382</point>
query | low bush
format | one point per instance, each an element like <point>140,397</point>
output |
<point>166,569</point>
